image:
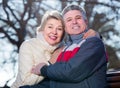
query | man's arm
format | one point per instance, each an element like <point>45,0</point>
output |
<point>91,33</point>
<point>89,58</point>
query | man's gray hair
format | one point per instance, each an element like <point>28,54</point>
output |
<point>74,7</point>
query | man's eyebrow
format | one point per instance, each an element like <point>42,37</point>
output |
<point>78,15</point>
<point>68,18</point>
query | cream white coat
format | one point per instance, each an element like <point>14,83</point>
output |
<point>32,52</point>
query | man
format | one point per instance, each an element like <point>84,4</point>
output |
<point>82,63</point>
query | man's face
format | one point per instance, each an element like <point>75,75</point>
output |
<point>74,22</point>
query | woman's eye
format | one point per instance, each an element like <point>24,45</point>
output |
<point>59,28</point>
<point>49,27</point>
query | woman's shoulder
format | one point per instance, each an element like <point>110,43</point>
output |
<point>30,41</point>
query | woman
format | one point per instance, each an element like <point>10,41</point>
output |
<point>39,49</point>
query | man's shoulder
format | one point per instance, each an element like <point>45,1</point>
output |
<point>95,39</point>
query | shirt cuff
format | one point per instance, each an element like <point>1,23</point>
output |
<point>44,71</point>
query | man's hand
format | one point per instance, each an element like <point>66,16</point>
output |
<point>90,33</point>
<point>36,69</point>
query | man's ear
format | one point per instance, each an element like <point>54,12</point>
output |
<point>86,21</point>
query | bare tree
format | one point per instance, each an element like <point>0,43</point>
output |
<point>20,18</point>
<point>102,23</point>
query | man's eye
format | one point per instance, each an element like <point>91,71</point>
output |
<point>78,17</point>
<point>69,20</point>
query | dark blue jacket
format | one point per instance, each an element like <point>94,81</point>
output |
<point>86,69</point>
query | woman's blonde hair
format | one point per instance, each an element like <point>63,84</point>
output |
<point>48,15</point>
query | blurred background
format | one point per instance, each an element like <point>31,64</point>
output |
<point>19,19</point>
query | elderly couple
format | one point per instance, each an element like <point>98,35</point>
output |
<point>65,54</point>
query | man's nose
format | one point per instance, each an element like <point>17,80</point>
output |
<point>74,21</point>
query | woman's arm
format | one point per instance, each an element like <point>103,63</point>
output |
<point>25,63</point>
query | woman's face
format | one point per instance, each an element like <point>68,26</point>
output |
<point>53,31</point>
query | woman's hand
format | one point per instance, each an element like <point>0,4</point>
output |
<point>36,68</point>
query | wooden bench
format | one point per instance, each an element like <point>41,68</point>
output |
<point>113,79</point>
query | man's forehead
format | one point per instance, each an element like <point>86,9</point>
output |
<point>72,13</point>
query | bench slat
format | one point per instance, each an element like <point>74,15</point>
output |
<point>114,85</point>
<point>113,79</point>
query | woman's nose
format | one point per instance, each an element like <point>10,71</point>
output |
<point>55,31</point>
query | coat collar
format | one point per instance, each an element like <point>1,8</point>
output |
<point>47,46</point>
